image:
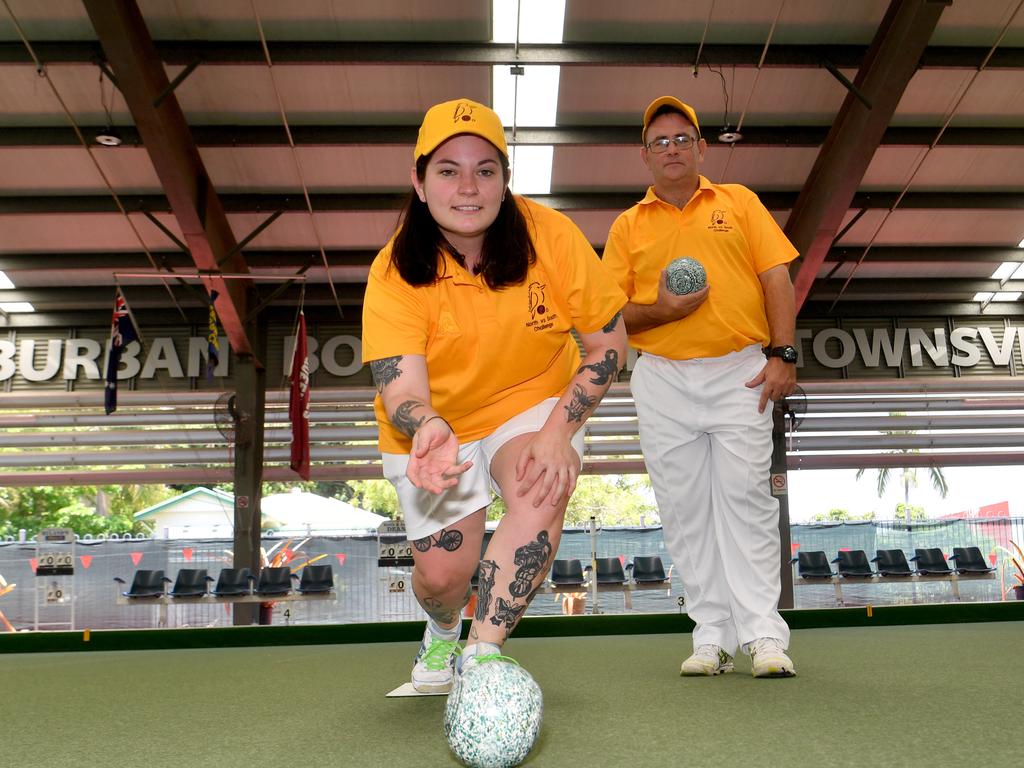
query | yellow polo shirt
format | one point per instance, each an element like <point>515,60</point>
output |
<point>727,229</point>
<point>491,354</point>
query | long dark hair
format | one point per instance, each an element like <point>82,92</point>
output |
<point>505,257</point>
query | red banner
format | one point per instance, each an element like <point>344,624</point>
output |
<point>86,560</point>
<point>187,552</point>
<point>136,557</point>
<point>298,402</point>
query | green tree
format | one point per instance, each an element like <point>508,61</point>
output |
<point>378,496</point>
<point>84,509</point>
<point>909,512</point>
<point>612,499</point>
<point>837,515</point>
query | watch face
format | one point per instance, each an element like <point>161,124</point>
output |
<point>788,354</point>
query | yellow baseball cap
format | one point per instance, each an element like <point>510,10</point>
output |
<point>453,118</point>
<point>670,101</point>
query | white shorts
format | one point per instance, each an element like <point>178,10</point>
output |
<point>426,513</point>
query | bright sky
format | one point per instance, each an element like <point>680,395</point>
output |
<point>814,491</point>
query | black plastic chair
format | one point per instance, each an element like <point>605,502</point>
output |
<point>233,582</point>
<point>275,581</point>
<point>969,560</point>
<point>931,562</point>
<point>567,573</point>
<point>854,564</point>
<point>145,584</point>
<point>191,582</point>
<point>316,579</point>
<point>891,562</point>
<point>813,565</point>
<point>609,571</point>
<point>648,569</point>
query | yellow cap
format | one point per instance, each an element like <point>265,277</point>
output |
<point>453,118</point>
<point>670,101</point>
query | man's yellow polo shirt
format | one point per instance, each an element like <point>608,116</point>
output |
<point>491,354</point>
<point>727,229</point>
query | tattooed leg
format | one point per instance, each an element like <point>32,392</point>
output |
<point>445,562</point>
<point>518,556</point>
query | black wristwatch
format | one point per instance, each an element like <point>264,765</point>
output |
<point>787,353</point>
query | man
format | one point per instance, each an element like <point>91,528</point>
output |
<point>710,363</point>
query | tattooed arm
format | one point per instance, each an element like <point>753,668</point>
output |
<point>405,391</point>
<point>548,464</point>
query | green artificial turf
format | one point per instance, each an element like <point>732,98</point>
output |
<point>880,695</point>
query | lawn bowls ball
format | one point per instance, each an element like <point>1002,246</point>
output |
<point>493,714</point>
<point>686,275</point>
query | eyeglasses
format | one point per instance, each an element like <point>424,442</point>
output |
<point>661,145</point>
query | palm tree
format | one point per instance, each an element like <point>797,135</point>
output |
<point>908,478</point>
<point>908,475</point>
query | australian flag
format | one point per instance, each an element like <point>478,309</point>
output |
<point>122,333</point>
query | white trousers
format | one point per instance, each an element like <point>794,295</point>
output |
<point>708,453</point>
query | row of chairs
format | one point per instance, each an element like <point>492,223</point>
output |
<point>854,564</point>
<point>892,564</point>
<point>232,582</point>
<point>609,571</point>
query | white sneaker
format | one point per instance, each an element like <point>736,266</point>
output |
<point>768,659</point>
<point>707,660</point>
<point>434,669</point>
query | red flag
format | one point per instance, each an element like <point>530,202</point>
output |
<point>33,563</point>
<point>86,560</point>
<point>341,558</point>
<point>298,402</point>
<point>136,557</point>
<point>187,552</point>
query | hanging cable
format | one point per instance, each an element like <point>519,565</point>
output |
<point>703,37</point>
<point>735,136</point>
<point>42,72</point>
<point>296,161</point>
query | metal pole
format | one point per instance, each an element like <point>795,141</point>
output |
<point>779,485</point>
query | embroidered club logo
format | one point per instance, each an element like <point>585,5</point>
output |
<point>537,301</point>
<point>718,222</point>
<point>463,112</point>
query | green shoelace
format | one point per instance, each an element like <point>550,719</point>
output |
<point>435,658</point>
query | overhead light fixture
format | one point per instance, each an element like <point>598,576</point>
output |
<point>108,136</point>
<point>15,307</point>
<point>728,136</point>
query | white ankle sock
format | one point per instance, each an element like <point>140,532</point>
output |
<point>445,634</point>
<point>481,648</point>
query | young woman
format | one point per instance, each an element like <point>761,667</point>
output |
<point>466,327</point>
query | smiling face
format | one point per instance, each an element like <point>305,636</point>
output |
<point>676,167</point>
<point>463,186</point>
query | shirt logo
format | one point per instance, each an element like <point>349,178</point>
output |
<point>541,316</point>
<point>538,304</point>
<point>718,222</point>
<point>446,325</point>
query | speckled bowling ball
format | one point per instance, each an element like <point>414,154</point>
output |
<point>493,715</point>
<point>686,275</point>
